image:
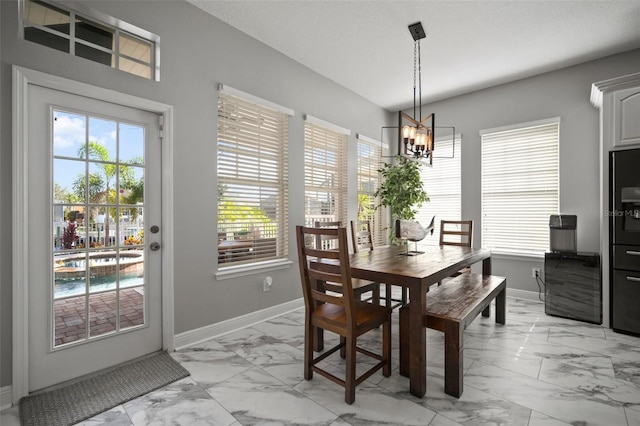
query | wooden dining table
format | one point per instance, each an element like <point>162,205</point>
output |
<point>417,273</point>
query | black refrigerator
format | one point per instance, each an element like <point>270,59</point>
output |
<point>624,231</point>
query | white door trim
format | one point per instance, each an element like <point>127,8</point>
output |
<point>22,78</point>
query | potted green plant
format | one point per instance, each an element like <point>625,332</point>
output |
<point>401,190</point>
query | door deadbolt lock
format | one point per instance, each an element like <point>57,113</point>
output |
<point>154,246</point>
<point>154,229</point>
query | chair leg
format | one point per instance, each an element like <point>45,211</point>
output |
<point>343,347</point>
<point>350,377</point>
<point>308,350</point>
<point>386,347</point>
<point>404,296</point>
<point>387,295</point>
<point>375,295</point>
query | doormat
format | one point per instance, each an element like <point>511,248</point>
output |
<point>84,399</point>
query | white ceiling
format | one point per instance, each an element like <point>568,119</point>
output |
<point>366,46</point>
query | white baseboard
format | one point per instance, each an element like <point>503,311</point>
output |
<point>523,294</point>
<point>6,397</point>
<point>192,337</point>
<point>207,332</point>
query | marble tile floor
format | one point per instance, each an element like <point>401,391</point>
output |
<point>536,370</point>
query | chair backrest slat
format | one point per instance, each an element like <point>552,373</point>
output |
<point>321,296</point>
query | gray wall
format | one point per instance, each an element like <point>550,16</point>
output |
<point>197,52</point>
<point>564,93</point>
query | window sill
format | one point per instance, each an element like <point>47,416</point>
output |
<point>517,255</point>
<point>229,272</point>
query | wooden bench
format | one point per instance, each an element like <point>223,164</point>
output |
<point>450,309</point>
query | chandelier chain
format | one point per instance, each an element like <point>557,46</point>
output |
<point>419,80</point>
<point>415,67</point>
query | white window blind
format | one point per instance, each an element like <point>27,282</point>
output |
<point>519,186</point>
<point>325,174</point>
<point>369,161</point>
<point>443,184</point>
<point>252,181</point>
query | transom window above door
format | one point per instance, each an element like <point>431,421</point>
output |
<point>92,35</point>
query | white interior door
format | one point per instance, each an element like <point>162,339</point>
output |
<point>94,214</point>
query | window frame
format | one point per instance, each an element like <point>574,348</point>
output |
<point>98,19</point>
<point>242,136</point>
<point>514,146</point>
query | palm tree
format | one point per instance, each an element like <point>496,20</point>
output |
<point>101,184</point>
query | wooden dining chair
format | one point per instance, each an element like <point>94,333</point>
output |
<point>362,239</point>
<point>456,233</point>
<point>360,287</point>
<point>341,313</point>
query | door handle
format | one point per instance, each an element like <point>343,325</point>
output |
<point>636,279</point>
<point>154,246</point>
<point>633,253</point>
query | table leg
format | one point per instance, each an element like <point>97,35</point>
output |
<point>486,270</point>
<point>418,339</point>
<point>405,344</point>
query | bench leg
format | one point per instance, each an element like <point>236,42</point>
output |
<point>486,270</point>
<point>403,315</point>
<point>501,306</point>
<point>453,359</point>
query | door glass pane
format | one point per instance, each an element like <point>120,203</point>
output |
<point>69,131</point>
<point>68,228</point>
<point>132,228</point>
<point>103,308</point>
<point>68,181</point>
<point>131,267</point>
<point>102,182</point>
<point>131,307</point>
<point>103,267</point>
<point>131,185</point>
<point>70,320</point>
<point>69,271</point>
<point>102,139</point>
<point>131,143</point>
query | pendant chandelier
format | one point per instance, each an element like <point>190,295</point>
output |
<point>416,134</point>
